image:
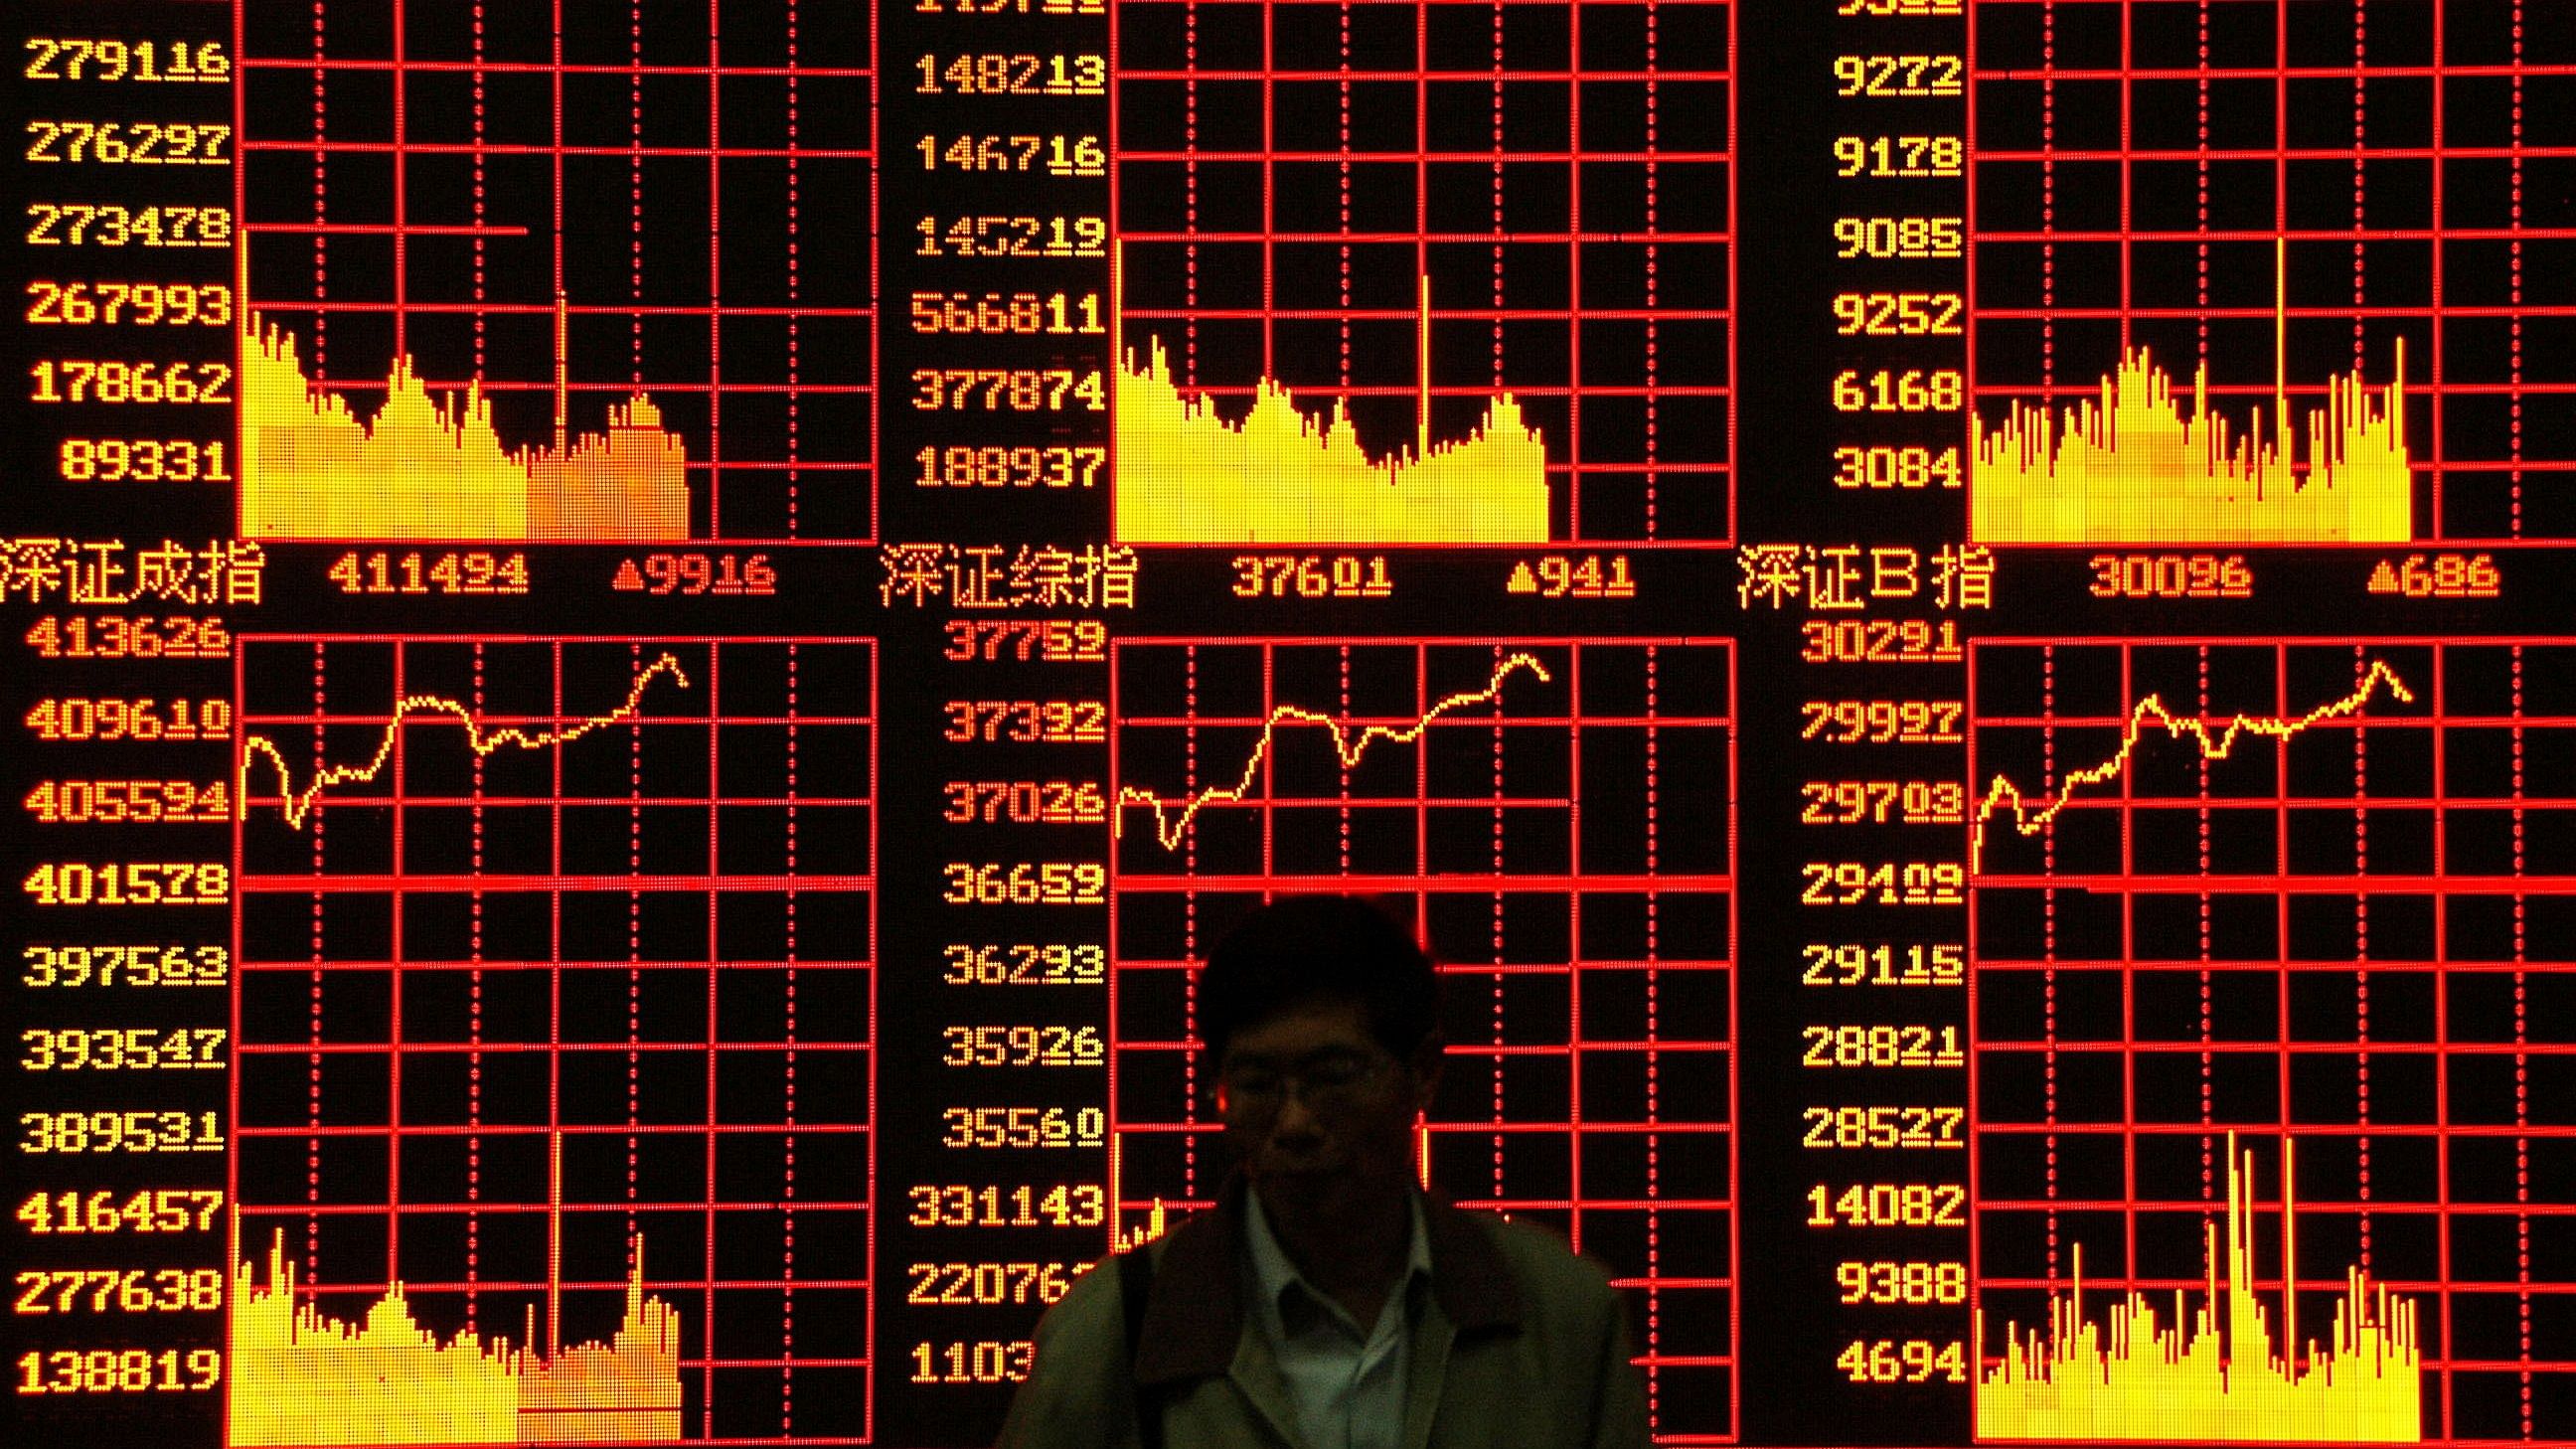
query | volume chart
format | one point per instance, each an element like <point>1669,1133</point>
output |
<point>2269,273</point>
<point>1423,273</point>
<point>508,278</point>
<point>2272,964</point>
<point>1556,816</point>
<point>551,1105</point>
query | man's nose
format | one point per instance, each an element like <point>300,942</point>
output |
<point>1296,1118</point>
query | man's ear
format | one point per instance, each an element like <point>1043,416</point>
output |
<point>1426,1063</point>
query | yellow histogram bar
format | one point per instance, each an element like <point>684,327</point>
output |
<point>302,1377</point>
<point>2129,467</point>
<point>1170,824</point>
<point>423,469</point>
<point>1157,1220</point>
<point>1188,475</point>
<point>297,805</point>
<point>2217,1375</point>
<point>2002,795</point>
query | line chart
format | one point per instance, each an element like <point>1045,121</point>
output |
<point>297,805</point>
<point>2003,795</point>
<point>571,959</point>
<point>2349,931</point>
<point>1349,745</point>
<point>1556,818</point>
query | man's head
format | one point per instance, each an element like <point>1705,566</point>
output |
<point>1318,1013</point>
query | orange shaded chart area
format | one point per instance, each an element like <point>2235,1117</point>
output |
<point>2003,797</point>
<point>2129,467</point>
<point>2218,1375</point>
<point>1186,475</point>
<point>302,1377</point>
<point>423,470</point>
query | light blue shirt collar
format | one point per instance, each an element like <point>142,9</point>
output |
<point>1346,1380</point>
<point>1273,1272</point>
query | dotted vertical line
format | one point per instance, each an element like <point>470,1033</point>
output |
<point>321,324</point>
<point>2513,252</point>
<point>480,242</point>
<point>2200,250</point>
<point>1190,1060</point>
<point>2048,230</point>
<point>2521,1038</point>
<point>1342,184</point>
<point>787,1113</point>
<point>2208,1103</point>
<point>635,188</point>
<point>474,1014</point>
<point>1190,191</point>
<point>634,948</point>
<point>315,823</point>
<point>1344,828</point>
<point>1651,254</point>
<point>2048,937</point>
<point>795,314</point>
<point>1654,1036</point>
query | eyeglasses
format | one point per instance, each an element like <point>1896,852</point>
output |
<point>1325,1080</point>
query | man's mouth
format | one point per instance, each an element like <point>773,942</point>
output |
<point>1297,1170</point>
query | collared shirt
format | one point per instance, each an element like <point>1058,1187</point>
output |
<point>1347,1382</point>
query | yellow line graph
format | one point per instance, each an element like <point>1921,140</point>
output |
<point>2003,795</point>
<point>297,805</point>
<point>1169,826</point>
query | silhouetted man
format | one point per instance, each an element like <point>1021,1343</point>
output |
<point>1326,1302</point>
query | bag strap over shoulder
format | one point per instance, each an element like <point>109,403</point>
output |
<point>1135,1282</point>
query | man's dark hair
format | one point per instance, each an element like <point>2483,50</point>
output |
<point>1334,947</point>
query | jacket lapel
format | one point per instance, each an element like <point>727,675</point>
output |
<point>1472,1293</point>
<point>1255,1372</point>
<point>1468,1275</point>
<point>1426,1373</point>
<point>1194,1315</point>
<point>1195,1324</point>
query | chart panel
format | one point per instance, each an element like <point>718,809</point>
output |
<point>2269,273</point>
<point>648,644</point>
<point>1425,272</point>
<point>2271,961</point>
<point>1555,816</point>
<point>556,972</point>
<point>565,273</point>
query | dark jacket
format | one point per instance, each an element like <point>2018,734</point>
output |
<point>1520,1344</point>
